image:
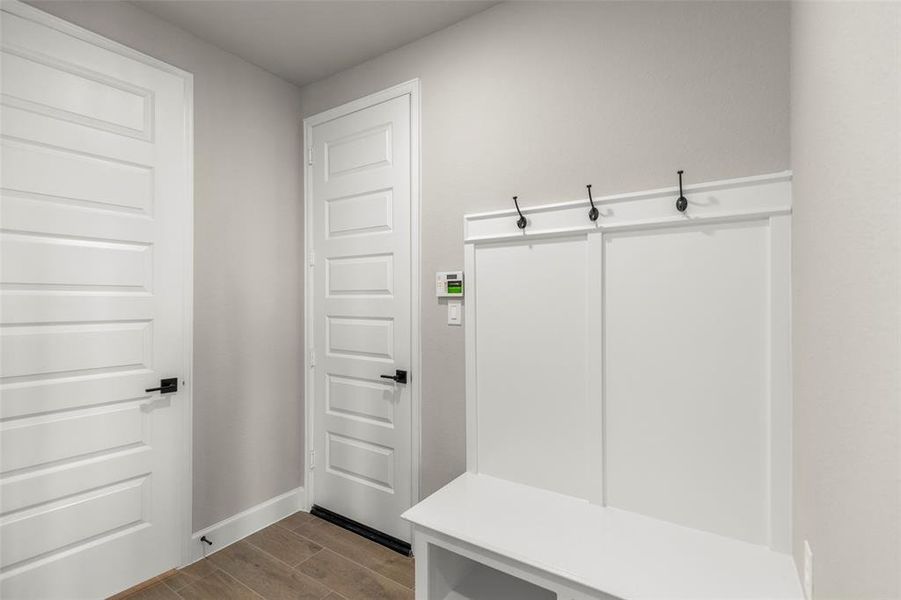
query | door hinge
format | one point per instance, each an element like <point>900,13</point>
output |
<point>310,156</point>
<point>312,357</point>
<point>312,258</point>
<point>312,459</point>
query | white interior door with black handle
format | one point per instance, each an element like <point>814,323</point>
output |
<point>360,184</point>
<point>94,282</point>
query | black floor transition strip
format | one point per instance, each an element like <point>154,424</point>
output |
<point>388,541</point>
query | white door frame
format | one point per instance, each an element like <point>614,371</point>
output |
<point>184,477</point>
<point>410,88</point>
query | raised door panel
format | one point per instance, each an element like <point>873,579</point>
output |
<point>362,399</point>
<point>70,436</point>
<point>359,214</point>
<point>31,260</point>
<point>359,151</point>
<point>370,276</point>
<point>77,177</point>
<point>361,460</point>
<point>47,85</point>
<point>77,520</point>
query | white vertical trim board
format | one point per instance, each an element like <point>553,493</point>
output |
<point>416,284</point>
<point>780,374</point>
<point>187,477</point>
<point>709,275</point>
<point>309,383</point>
<point>412,89</point>
<point>472,424</point>
<point>239,526</point>
<point>595,371</point>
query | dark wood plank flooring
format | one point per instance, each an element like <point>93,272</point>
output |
<point>298,558</point>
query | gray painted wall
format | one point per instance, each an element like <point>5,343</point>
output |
<point>539,99</point>
<point>248,288</point>
<point>534,99</point>
<point>846,156</point>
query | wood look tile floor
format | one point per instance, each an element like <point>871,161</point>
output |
<point>298,558</point>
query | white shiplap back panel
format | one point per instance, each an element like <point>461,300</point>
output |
<point>531,338</point>
<point>686,361</point>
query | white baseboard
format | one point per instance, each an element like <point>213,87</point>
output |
<point>230,530</point>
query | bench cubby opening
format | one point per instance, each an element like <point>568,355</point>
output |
<point>456,577</point>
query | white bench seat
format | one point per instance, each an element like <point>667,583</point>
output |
<point>613,552</point>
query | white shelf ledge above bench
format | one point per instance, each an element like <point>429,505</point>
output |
<point>613,551</point>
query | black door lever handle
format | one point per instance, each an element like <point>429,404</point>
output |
<point>167,386</point>
<point>399,376</point>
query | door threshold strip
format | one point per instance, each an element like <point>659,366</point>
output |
<point>388,541</point>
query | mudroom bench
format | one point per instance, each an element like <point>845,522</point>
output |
<point>628,403</point>
<point>483,538</point>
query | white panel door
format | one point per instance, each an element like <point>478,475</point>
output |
<point>95,209</point>
<point>360,194</point>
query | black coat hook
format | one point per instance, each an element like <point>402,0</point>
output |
<point>522,222</point>
<point>681,202</point>
<point>593,213</point>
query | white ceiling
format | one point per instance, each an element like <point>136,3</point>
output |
<point>303,41</point>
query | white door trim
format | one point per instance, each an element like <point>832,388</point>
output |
<point>185,451</point>
<point>410,88</point>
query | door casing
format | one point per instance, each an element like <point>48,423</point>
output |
<point>410,88</point>
<point>185,443</point>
